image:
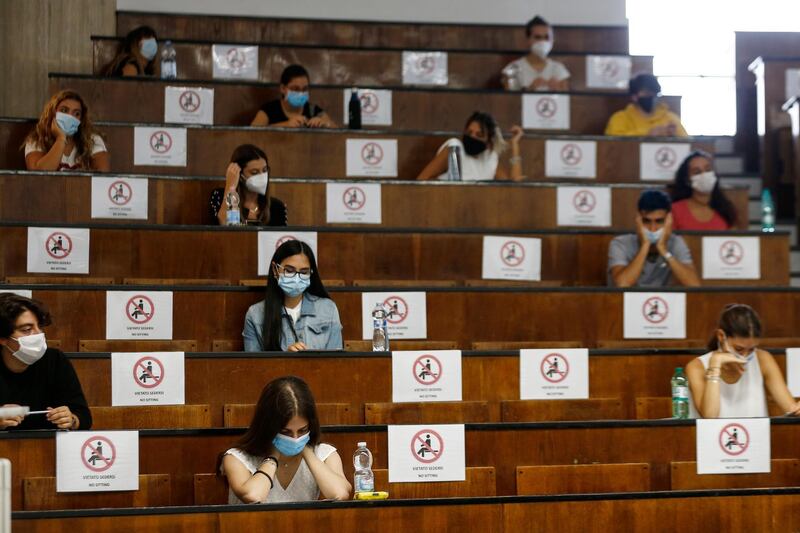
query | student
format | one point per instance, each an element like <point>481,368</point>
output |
<point>536,71</point>
<point>248,175</point>
<point>136,54</point>
<point>64,138</point>
<point>292,109</point>
<point>33,375</point>
<point>729,381</point>
<point>280,458</point>
<point>653,257</point>
<point>644,116</point>
<point>480,148</point>
<point>698,202</point>
<point>297,313</point>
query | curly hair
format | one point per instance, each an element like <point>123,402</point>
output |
<point>13,305</point>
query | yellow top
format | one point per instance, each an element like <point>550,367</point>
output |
<point>634,122</point>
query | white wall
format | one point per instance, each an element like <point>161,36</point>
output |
<point>583,12</point>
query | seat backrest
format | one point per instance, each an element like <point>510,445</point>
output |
<point>589,478</point>
<point>102,345</point>
<point>428,413</point>
<point>152,417</point>
<point>479,481</point>
<point>330,414</point>
<point>366,346</point>
<point>39,494</point>
<point>539,410</point>
<point>210,489</point>
<point>783,473</point>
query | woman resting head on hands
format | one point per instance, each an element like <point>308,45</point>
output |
<point>280,457</point>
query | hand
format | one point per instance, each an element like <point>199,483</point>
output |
<point>297,121</point>
<point>61,417</point>
<point>307,451</point>
<point>795,411</point>
<point>671,130</point>
<point>316,122</point>
<point>641,231</point>
<point>661,245</point>
<point>539,83</point>
<point>297,347</point>
<point>516,134</point>
<point>57,131</point>
<point>724,358</point>
<point>659,131</point>
<point>12,421</point>
<point>232,177</point>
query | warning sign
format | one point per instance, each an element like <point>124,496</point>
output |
<point>155,378</point>
<point>655,315</point>
<point>733,446</point>
<point>426,376</point>
<point>103,461</point>
<point>139,315</point>
<point>426,453</point>
<point>58,250</point>
<point>554,374</point>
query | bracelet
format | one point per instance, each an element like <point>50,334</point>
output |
<point>713,379</point>
<point>273,459</point>
<point>271,483</point>
<point>713,372</point>
<point>515,159</point>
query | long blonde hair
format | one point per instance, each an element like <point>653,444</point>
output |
<point>42,135</point>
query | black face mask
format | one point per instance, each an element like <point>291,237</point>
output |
<point>472,145</point>
<point>647,103</point>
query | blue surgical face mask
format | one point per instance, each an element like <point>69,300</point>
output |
<point>654,236</point>
<point>67,123</point>
<point>297,99</point>
<point>293,286</point>
<point>289,446</point>
<point>149,48</point>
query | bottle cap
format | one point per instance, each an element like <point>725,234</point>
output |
<point>677,368</point>
<point>362,444</point>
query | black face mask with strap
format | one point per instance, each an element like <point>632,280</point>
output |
<point>473,146</point>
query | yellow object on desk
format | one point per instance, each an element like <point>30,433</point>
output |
<point>378,495</point>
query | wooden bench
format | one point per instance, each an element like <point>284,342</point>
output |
<point>39,494</point>
<point>540,410</point>
<point>429,413</point>
<point>330,414</point>
<point>136,346</point>
<point>783,473</point>
<point>151,417</point>
<point>583,478</point>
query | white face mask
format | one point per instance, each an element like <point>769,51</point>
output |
<point>727,347</point>
<point>542,48</point>
<point>258,183</point>
<point>31,348</point>
<point>704,182</point>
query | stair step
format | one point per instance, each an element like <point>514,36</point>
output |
<point>729,164</point>
<point>794,261</point>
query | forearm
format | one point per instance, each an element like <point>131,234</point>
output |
<point>52,159</point>
<point>685,274</point>
<point>629,275</point>
<point>709,408</point>
<point>515,162</point>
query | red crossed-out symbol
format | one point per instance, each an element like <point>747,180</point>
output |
<point>427,446</point>
<point>284,239</point>
<point>546,107</point>
<point>426,64</point>
<point>655,310</point>
<point>372,154</point>
<point>396,309</point>
<point>189,101</point>
<point>554,367</point>
<point>354,198</point>
<point>369,102</point>
<point>98,453</point>
<point>161,142</point>
<point>571,154</point>
<point>427,369</point>
<point>120,192</point>
<point>140,309</point>
<point>734,439</point>
<point>236,58</point>
<point>731,253</point>
<point>146,375</point>
<point>58,245</point>
<point>584,201</point>
<point>666,157</point>
<point>512,253</point>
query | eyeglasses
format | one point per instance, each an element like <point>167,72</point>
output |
<point>290,271</point>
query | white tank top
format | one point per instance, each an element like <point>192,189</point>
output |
<point>744,399</point>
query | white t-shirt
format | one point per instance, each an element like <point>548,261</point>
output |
<point>527,74</point>
<point>744,399</point>
<point>482,167</point>
<point>294,312</point>
<point>68,161</point>
<point>302,488</point>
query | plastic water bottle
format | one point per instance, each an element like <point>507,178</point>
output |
<point>354,111</point>
<point>380,329</point>
<point>169,65</point>
<point>767,212</point>
<point>363,478</point>
<point>453,163</point>
<point>233,216</point>
<point>511,73</point>
<point>680,394</point>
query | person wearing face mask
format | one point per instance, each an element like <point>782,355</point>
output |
<point>645,116</point>
<point>297,313</point>
<point>33,375</point>
<point>730,380</point>
<point>248,175</point>
<point>280,458</point>
<point>536,71</point>
<point>292,109</point>
<point>480,148</point>
<point>653,257</point>
<point>136,54</point>
<point>698,200</point>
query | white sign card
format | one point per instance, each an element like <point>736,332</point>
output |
<point>139,315</point>
<point>358,203</point>
<point>376,106</point>
<point>426,376</point>
<point>570,159</point>
<point>235,62</point>
<point>514,258</point>
<point>269,241</point>
<point>655,315</point>
<point>552,374</point>
<point>119,198</point>
<point>659,161</point>
<point>608,72</point>
<point>155,378</point>
<point>792,83</point>
<point>371,157</point>
<point>164,147</point>
<point>433,452</point>
<point>733,445</point>
<point>583,206</point>
<point>424,68</point>
<point>406,314</point>
<point>25,293</point>
<point>793,370</point>
<point>97,461</point>
<point>731,258</point>
<point>188,105</point>
<point>58,250</point>
<point>545,111</point>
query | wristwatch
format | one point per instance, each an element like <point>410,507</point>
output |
<point>667,256</point>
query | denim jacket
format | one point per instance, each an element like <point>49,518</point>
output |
<point>318,326</point>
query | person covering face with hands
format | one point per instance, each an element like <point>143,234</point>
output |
<point>536,71</point>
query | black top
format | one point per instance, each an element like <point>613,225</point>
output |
<point>278,213</point>
<point>275,113</point>
<point>115,68</point>
<point>49,382</point>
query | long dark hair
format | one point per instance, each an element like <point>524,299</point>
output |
<point>736,320</point>
<point>682,189</point>
<point>273,301</point>
<point>242,155</point>
<point>127,49</point>
<point>281,400</point>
